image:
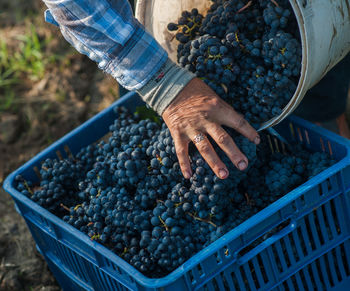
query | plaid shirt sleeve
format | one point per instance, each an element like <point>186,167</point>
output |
<point>107,32</point>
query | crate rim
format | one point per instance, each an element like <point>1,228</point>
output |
<point>204,253</point>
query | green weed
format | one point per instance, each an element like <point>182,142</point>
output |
<point>30,57</point>
<point>28,60</point>
<point>8,75</point>
<point>7,100</point>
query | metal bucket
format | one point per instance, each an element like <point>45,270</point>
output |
<point>324,27</point>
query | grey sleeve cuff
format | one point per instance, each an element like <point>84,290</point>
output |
<point>165,85</point>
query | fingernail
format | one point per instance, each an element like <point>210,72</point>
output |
<point>222,173</point>
<point>257,140</point>
<point>242,165</point>
<point>187,175</point>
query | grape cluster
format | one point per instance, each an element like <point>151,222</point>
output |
<point>278,173</point>
<point>209,57</point>
<point>127,192</point>
<point>317,163</point>
<point>188,25</point>
<point>284,173</point>
<point>58,183</point>
<point>249,53</point>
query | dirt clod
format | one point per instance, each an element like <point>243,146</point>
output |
<point>9,126</point>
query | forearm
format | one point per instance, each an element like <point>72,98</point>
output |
<point>165,85</point>
<point>108,33</point>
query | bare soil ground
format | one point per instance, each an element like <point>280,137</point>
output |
<point>34,112</point>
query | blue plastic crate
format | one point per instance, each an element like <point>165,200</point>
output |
<point>304,237</point>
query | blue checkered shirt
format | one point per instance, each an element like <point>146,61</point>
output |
<point>107,32</point>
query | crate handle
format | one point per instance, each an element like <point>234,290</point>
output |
<point>242,258</point>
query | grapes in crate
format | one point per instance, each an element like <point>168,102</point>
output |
<point>127,192</point>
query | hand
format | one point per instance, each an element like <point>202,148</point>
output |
<point>197,109</point>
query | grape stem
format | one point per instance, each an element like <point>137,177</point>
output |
<point>215,57</point>
<point>189,30</point>
<point>274,2</point>
<point>178,204</point>
<point>27,186</point>
<point>163,223</point>
<point>124,251</point>
<point>65,207</point>
<point>160,201</point>
<point>76,207</point>
<point>236,37</point>
<point>95,237</point>
<point>201,219</point>
<point>248,199</point>
<point>245,7</point>
<point>159,159</point>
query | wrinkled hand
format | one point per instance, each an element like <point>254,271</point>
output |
<point>197,109</point>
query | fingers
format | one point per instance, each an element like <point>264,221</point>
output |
<point>181,147</point>
<point>194,110</point>
<point>229,117</point>
<point>226,143</point>
<point>208,153</point>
